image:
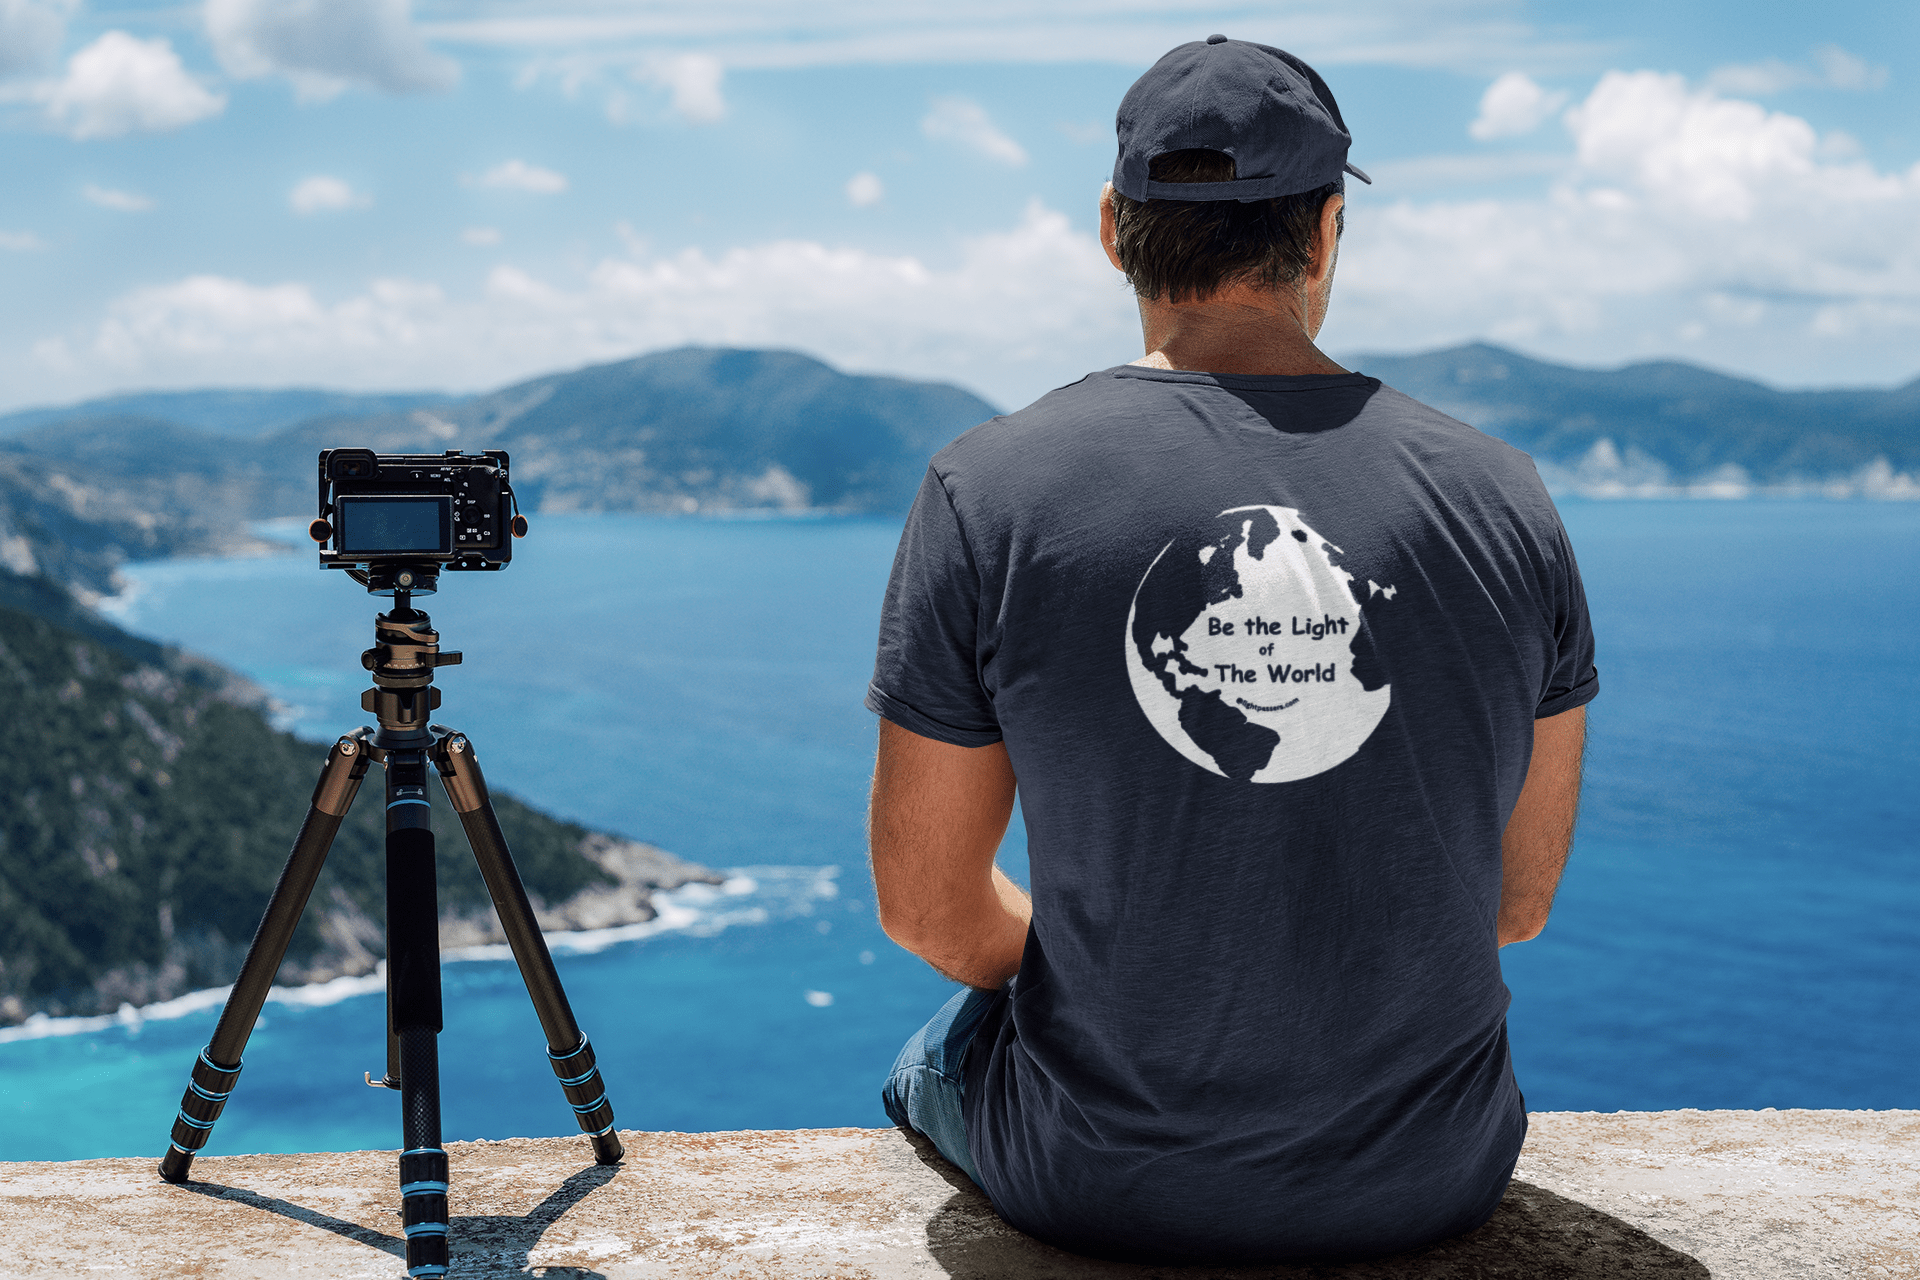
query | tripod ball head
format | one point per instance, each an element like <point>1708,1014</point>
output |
<point>406,650</point>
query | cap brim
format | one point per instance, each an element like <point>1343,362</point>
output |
<point>1358,174</point>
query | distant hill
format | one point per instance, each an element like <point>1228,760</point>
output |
<point>694,429</point>
<point>698,429</point>
<point>75,519</point>
<point>229,412</point>
<point>1670,428</point>
<point>146,808</point>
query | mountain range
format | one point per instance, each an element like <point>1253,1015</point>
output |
<point>1667,429</point>
<point>709,429</point>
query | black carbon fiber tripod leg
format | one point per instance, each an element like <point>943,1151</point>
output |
<point>218,1066</point>
<point>567,1049</point>
<point>413,1010</point>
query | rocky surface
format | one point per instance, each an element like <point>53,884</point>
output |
<point>1746,1195</point>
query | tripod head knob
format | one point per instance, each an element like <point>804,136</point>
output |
<point>379,656</point>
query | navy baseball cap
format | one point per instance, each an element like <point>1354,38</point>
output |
<point>1264,107</point>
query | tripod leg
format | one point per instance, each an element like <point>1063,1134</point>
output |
<point>413,1012</point>
<point>218,1066</point>
<point>567,1049</point>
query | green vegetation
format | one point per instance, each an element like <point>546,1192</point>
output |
<point>146,808</point>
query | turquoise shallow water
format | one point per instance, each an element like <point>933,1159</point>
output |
<point>1735,929</point>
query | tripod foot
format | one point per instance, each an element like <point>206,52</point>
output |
<point>208,1089</point>
<point>423,1209</point>
<point>580,1081</point>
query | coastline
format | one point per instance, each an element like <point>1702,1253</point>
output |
<point>699,905</point>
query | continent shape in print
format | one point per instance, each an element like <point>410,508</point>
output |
<point>1249,651</point>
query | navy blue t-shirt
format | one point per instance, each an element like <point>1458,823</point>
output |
<point>1266,654</point>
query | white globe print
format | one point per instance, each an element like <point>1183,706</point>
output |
<point>1239,647</point>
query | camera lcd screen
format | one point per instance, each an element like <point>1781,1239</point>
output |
<point>386,526</point>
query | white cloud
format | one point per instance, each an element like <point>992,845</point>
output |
<point>31,32</point>
<point>1022,310</point>
<point>693,80</point>
<point>121,84</point>
<point>1513,105</point>
<point>518,175</point>
<point>21,241</point>
<point>1683,215</point>
<point>1717,157</point>
<point>864,189</point>
<point>322,46</point>
<point>1830,67</point>
<point>1844,71</point>
<point>110,198</point>
<point>1758,79</point>
<point>481,237</point>
<point>324,194</point>
<point>965,122</point>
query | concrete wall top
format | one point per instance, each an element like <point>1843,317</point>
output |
<point>1683,1194</point>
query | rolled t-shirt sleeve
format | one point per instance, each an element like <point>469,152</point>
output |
<point>926,673</point>
<point>1573,680</point>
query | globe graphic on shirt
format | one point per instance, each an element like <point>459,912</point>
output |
<point>1248,648</point>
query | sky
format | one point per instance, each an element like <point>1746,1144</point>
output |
<point>456,194</point>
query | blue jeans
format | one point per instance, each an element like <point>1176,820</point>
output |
<point>924,1090</point>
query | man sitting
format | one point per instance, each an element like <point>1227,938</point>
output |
<point>1289,672</point>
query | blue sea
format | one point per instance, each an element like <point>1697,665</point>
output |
<point>1736,927</point>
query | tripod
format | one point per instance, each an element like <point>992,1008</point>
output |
<point>405,652</point>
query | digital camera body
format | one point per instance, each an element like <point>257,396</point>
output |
<point>421,512</point>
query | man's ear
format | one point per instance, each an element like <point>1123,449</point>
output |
<point>1108,229</point>
<point>1326,240</point>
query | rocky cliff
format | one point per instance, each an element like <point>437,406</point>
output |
<point>146,808</point>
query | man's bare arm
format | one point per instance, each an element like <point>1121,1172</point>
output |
<point>936,819</point>
<point>1533,850</point>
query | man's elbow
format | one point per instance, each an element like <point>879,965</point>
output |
<point>911,926</point>
<point>1521,926</point>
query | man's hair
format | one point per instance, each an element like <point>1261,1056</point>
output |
<point>1186,249</point>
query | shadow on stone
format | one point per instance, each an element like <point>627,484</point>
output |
<point>1535,1234</point>
<point>300,1213</point>
<point>483,1244</point>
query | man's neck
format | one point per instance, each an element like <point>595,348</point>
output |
<point>1240,329</point>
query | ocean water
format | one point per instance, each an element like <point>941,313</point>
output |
<point>1736,928</point>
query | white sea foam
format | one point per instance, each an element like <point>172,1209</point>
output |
<point>750,895</point>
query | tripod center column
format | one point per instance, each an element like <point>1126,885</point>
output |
<point>413,961</point>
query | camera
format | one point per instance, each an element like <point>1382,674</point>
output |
<point>395,520</point>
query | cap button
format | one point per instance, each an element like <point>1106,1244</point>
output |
<point>1216,39</point>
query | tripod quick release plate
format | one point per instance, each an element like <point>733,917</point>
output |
<point>395,520</point>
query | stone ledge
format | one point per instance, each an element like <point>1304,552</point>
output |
<point>1751,1195</point>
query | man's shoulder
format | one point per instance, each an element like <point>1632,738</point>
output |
<point>1104,396</point>
<point>1064,409</point>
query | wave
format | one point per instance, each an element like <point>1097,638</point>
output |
<point>749,896</point>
